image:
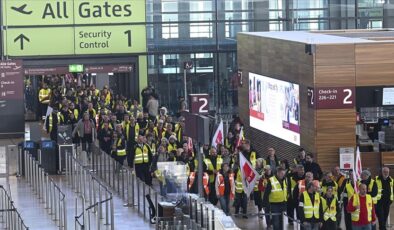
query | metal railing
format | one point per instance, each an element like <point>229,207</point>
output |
<point>10,218</point>
<point>47,190</point>
<point>124,182</point>
<point>93,192</point>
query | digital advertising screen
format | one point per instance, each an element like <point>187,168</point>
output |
<point>274,107</point>
<point>388,96</point>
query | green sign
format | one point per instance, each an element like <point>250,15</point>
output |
<point>75,68</point>
<point>39,41</point>
<point>72,12</point>
<point>75,40</point>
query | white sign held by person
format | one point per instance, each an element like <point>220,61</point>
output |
<point>248,174</point>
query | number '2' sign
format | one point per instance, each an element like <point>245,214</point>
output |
<point>198,103</point>
<point>331,97</point>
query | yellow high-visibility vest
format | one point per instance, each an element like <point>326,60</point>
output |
<point>370,187</point>
<point>356,202</point>
<point>44,93</point>
<point>141,154</point>
<point>380,188</point>
<point>311,210</point>
<point>334,188</point>
<point>238,183</point>
<point>330,210</point>
<point>349,190</point>
<point>208,162</point>
<point>120,152</point>
<point>278,194</point>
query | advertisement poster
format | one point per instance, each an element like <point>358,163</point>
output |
<point>274,107</point>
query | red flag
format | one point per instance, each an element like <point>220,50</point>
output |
<point>218,137</point>
<point>358,165</point>
<point>240,137</point>
<point>248,174</point>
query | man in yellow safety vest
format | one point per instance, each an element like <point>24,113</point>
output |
<point>309,208</point>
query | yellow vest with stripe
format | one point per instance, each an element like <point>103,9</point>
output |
<point>238,183</point>
<point>356,202</point>
<point>278,194</point>
<point>208,162</point>
<point>141,154</point>
<point>120,152</point>
<point>380,188</point>
<point>330,210</point>
<point>311,210</point>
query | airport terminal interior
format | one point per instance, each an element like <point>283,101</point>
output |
<point>196,114</point>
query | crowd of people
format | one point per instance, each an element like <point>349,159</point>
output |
<point>142,135</point>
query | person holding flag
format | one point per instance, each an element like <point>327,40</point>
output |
<point>275,197</point>
<point>213,164</point>
<point>244,184</point>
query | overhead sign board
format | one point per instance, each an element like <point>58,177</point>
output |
<point>72,12</point>
<point>67,27</point>
<point>75,40</point>
<point>331,97</point>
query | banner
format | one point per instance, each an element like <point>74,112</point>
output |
<point>248,174</point>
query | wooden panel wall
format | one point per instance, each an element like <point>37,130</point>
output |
<point>334,67</point>
<point>282,60</point>
<point>374,64</point>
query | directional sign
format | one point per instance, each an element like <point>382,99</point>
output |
<point>37,12</point>
<point>72,12</point>
<point>110,39</point>
<point>75,40</point>
<point>39,41</point>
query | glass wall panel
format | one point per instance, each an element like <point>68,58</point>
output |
<point>205,32</point>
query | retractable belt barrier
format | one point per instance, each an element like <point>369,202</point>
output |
<point>93,192</point>
<point>10,218</point>
<point>46,190</point>
<point>124,182</point>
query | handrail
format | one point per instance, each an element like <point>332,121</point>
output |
<point>17,223</point>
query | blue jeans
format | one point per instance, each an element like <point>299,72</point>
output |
<point>277,220</point>
<point>225,204</point>
<point>364,227</point>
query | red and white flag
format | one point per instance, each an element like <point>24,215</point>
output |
<point>355,181</point>
<point>189,144</point>
<point>359,168</point>
<point>240,137</point>
<point>248,174</point>
<point>218,138</point>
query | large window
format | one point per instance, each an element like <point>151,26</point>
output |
<point>170,19</point>
<point>201,12</point>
